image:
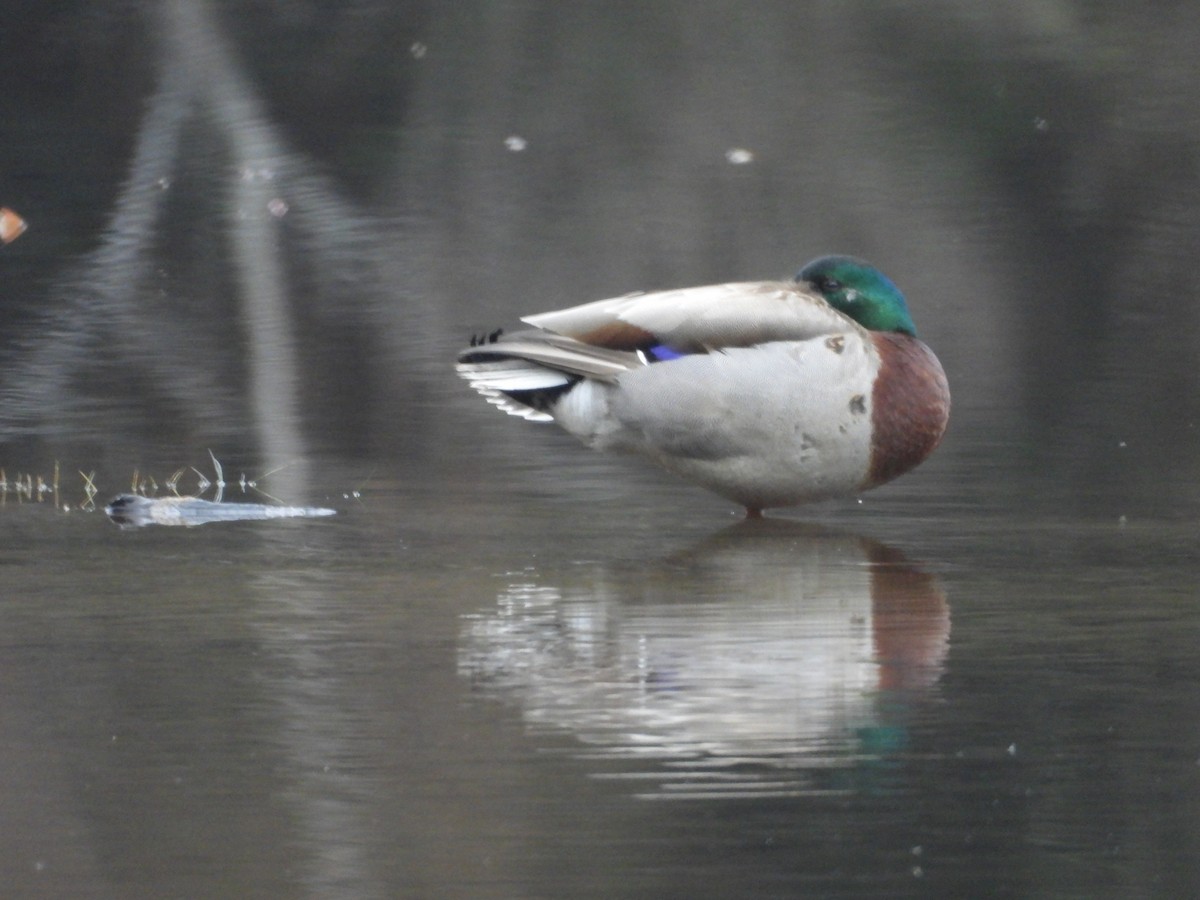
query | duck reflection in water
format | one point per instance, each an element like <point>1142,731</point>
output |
<point>774,657</point>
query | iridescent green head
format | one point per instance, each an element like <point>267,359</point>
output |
<point>861,291</point>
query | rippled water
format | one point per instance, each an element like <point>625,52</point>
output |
<point>508,667</point>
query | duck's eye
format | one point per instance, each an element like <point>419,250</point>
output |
<point>830,284</point>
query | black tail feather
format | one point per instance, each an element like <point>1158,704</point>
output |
<point>480,340</point>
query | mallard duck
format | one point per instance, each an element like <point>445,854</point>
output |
<point>767,393</point>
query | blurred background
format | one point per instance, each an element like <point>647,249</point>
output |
<point>265,228</point>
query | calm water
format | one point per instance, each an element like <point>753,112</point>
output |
<point>512,668</point>
<point>513,695</point>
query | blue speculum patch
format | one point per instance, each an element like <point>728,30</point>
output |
<point>663,353</point>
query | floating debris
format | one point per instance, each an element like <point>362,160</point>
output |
<point>739,156</point>
<point>139,504</point>
<point>28,488</point>
<point>12,226</point>
<point>136,511</point>
<point>515,143</point>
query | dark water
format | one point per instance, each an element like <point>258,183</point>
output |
<point>512,668</point>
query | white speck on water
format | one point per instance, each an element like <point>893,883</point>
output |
<point>258,173</point>
<point>418,50</point>
<point>164,183</point>
<point>739,156</point>
<point>515,143</point>
<point>1122,521</point>
<point>917,850</point>
<point>1041,124</point>
<point>917,872</point>
<point>1122,445</point>
<point>1012,750</point>
<point>277,207</point>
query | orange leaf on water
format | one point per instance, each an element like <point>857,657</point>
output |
<point>11,225</point>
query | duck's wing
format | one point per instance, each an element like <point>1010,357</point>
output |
<point>556,352</point>
<point>699,319</point>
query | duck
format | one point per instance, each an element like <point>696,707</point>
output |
<point>767,393</point>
